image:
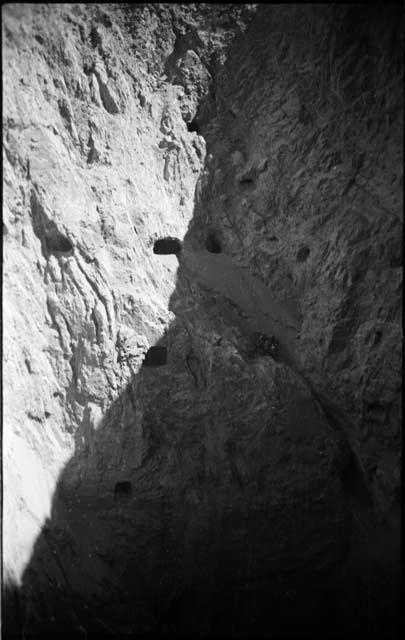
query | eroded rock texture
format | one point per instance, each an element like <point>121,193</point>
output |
<point>202,298</point>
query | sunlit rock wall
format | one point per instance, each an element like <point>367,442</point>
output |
<point>98,163</point>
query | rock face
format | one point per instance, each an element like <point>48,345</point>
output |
<point>202,319</point>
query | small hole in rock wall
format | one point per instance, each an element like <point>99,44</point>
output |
<point>123,490</point>
<point>213,243</point>
<point>167,246</point>
<point>192,126</point>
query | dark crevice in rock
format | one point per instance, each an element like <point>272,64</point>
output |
<point>34,417</point>
<point>247,178</point>
<point>52,240</point>
<point>56,242</point>
<point>64,109</point>
<point>93,153</point>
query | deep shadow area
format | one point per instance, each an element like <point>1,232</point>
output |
<point>171,558</point>
<point>180,552</point>
<point>192,126</point>
<point>213,242</point>
<point>187,514</point>
<point>167,246</point>
<point>53,241</point>
<point>123,490</point>
<point>155,357</point>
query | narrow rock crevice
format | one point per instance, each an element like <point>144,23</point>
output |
<point>53,242</point>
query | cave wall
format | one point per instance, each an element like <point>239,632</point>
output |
<point>98,163</point>
<point>262,493</point>
<point>305,189</point>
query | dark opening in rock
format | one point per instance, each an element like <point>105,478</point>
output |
<point>246,179</point>
<point>192,126</point>
<point>52,240</point>
<point>123,490</point>
<point>213,243</point>
<point>378,337</point>
<point>302,254</point>
<point>64,109</point>
<point>57,243</point>
<point>166,246</point>
<point>155,357</point>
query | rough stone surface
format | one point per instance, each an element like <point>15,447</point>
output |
<point>221,491</point>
